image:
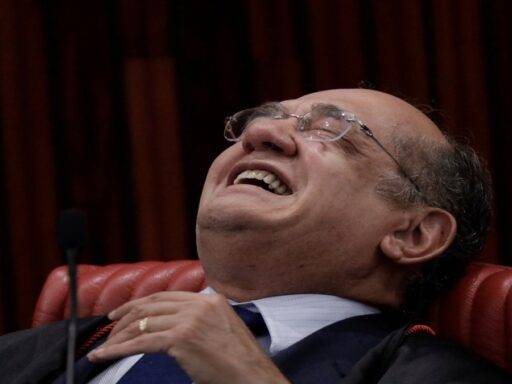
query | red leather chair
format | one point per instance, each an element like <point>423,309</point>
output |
<point>477,313</point>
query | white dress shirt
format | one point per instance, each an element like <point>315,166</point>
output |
<point>289,319</point>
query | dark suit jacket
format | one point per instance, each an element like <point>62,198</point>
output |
<point>363,349</point>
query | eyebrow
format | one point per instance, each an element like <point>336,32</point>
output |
<point>327,106</point>
<point>272,104</point>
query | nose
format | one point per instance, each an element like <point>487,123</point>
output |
<point>273,135</point>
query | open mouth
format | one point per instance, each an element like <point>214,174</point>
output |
<point>263,179</point>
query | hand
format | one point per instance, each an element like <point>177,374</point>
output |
<point>202,332</point>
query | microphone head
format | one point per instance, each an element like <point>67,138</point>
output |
<point>71,232</point>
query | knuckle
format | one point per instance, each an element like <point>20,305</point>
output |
<point>133,328</point>
<point>208,305</point>
<point>155,296</point>
<point>138,311</point>
<point>216,300</point>
<point>203,307</point>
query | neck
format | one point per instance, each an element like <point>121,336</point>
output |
<point>245,272</point>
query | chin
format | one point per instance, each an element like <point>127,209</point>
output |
<point>236,218</point>
<point>222,223</point>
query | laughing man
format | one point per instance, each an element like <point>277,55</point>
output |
<point>333,216</point>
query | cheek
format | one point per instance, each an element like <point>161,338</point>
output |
<point>342,202</point>
<point>335,170</point>
<point>221,165</point>
<point>226,158</point>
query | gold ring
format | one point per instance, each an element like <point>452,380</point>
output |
<point>143,325</point>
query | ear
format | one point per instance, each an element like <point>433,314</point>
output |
<point>421,237</point>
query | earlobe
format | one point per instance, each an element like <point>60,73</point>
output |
<point>428,236</point>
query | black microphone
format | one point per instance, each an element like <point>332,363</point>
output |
<point>71,235</point>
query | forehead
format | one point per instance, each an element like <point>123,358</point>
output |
<point>304,104</point>
<point>387,115</point>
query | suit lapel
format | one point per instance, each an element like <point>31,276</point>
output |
<point>324,357</point>
<point>327,355</point>
<point>39,355</point>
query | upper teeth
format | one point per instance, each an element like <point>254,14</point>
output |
<point>273,182</point>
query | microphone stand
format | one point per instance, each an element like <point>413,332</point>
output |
<point>70,359</point>
<point>71,236</point>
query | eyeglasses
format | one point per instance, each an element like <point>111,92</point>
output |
<point>325,122</point>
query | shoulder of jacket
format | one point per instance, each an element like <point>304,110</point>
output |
<point>426,358</point>
<point>414,355</point>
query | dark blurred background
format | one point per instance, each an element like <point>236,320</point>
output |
<point>117,107</point>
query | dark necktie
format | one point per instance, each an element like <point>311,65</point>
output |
<point>162,369</point>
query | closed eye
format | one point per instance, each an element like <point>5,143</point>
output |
<point>348,147</point>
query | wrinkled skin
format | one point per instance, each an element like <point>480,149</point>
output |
<point>332,235</point>
<point>201,332</point>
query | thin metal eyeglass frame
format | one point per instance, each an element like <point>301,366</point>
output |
<point>348,116</point>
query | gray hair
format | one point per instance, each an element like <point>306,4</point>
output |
<point>452,177</point>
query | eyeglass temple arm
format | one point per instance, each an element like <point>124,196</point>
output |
<point>368,132</point>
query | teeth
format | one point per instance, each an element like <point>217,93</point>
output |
<point>260,174</point>
<point>269,178</point>
<point>275,184</point>
<point>281,189</point>
<point>272,180</point>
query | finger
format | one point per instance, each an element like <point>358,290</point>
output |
<point>151,309</point>
<point>154,324</point>
<point>146,343</point>
<point>155,297</point>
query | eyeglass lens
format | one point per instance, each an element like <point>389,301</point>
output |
<point>323,123</point>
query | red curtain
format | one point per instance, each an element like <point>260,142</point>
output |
<point>116,107</point>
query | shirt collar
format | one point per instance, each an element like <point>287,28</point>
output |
<point>290,318</point>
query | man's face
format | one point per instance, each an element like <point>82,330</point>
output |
<point>329,212</point>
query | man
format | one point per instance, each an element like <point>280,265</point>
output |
<point>325,211</point>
